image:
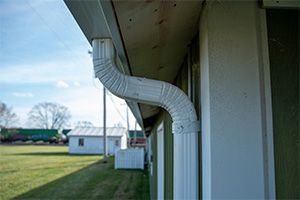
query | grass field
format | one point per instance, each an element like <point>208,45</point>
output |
<point>49,172</point>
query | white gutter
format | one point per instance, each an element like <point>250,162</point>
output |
<point>157,93</point>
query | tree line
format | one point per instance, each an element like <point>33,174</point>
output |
<point>45,115</point>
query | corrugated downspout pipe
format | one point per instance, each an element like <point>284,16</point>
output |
<point>157,93</point>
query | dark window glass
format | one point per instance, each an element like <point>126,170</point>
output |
<point>81,142</point>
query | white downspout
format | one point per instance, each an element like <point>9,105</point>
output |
<point>157,93</point>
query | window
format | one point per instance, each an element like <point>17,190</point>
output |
<point>117,143</point>
<point>80,142</point>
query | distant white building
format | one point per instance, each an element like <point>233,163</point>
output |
<point>89,140</point>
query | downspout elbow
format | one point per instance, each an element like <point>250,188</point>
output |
<point>143,90</point>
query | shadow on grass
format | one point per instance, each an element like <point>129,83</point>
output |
<point>51,154</point>
<point>68,163</point>
<point>96,181</point>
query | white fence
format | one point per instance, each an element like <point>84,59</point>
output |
<point>129,159</point>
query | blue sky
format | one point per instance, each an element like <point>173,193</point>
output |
<point>44,57</point>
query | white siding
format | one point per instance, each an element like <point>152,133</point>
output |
<point>91,145</point>
<point>124,142</point>
<point>112,147</point>
<point>94,145</point>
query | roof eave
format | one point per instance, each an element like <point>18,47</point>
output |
<point>97,20</point>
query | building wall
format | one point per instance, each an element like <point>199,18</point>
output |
<point>168,156</point>
<point>233,102</point>
<point>233,85</point>
<point>114,144</point>
<point>195,97</point>
<point>153,165</point>
<point>283,38</point>
<point>93,145</point>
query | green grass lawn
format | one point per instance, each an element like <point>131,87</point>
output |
<point>49,172</point>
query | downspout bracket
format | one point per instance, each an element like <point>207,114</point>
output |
<point>184,127</point>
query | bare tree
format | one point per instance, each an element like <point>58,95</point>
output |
<point>84,124</point>
<point>119,124</point>
<point>8,118</point>
<point>49,115</point>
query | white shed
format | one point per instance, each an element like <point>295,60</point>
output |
<point>89,140</point>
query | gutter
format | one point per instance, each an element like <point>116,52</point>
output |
<point>165,95</point>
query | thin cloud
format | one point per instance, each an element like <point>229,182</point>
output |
<point>61,84</point>
<point>22,94</point>
<point>76,84</point>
